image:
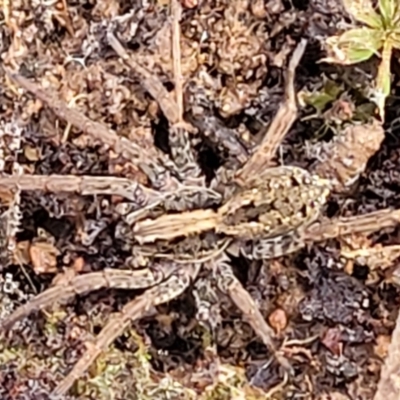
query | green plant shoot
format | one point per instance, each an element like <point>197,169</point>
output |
<point>379,35</point>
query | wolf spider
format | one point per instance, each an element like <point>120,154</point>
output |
<point>263,211</point>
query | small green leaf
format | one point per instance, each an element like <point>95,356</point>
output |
<point>363,11</point>
<point>319,100</point>
<point>353,46</point>
<point>388,10</point>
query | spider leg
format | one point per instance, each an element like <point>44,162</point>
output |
<point>170,226</point>
<point>181,153</point>
<point>108,278</point>
<point>367,223</point>
<point>318,232</point>
<point>179,140</point>
<point>182,199</point>
<point>171,288</point>
<point>272,247</point>
<point>286,115</point>
<point>84,185</point>
<point>150,160</point>
<point>222,138</point>
<point>229,284</point>
<point>150,82</point>
<point>182,156</point>
<point>192,193</point>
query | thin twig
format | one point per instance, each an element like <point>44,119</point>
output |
<point>280,125</point>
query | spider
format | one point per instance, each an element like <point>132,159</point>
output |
<point>267,212</point>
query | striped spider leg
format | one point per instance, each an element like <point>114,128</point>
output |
<point>166,291</point>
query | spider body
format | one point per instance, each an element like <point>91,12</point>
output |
<point>281,200</point>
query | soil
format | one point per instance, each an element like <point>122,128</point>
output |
<point>335,315</point>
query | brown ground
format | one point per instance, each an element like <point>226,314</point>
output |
<point>233,59</point>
